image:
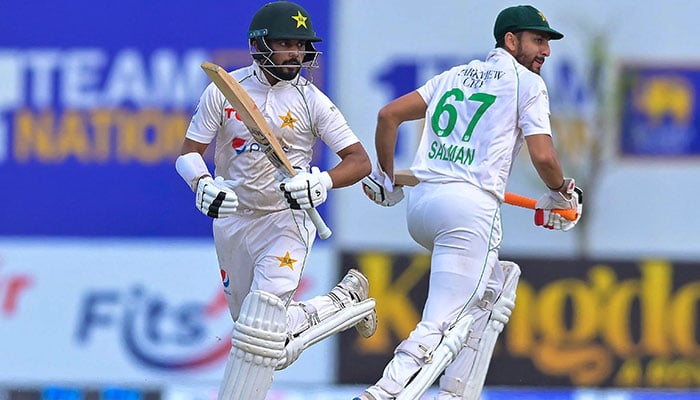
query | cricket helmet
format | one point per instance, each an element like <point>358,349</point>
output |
<point>282,20</point>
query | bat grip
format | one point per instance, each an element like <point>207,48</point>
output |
<point>526,202</point>
<point>324,232</point>
<point>568,213</point>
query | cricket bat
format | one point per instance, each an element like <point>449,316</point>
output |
<point>253,119</point>
<point>404,177</point>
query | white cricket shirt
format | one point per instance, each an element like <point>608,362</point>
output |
<point>297,114</point>
<point>477,117</point>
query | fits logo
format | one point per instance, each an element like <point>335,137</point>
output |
<point>157,331</point>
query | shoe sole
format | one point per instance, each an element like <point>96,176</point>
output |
<point>368,325</point>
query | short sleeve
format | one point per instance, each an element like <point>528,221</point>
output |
<point>207,116</point>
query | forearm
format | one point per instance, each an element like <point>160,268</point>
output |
<point>408,107</point>
<point>550,171</point>
<point>545,160</point>
<point>385,144</point>
<point>353,166</point>
<point>190,146</point>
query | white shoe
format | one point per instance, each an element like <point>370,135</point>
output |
<point>355,285</point>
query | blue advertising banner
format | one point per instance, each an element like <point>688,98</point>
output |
<point>95,99</point>
<point>660,111</point>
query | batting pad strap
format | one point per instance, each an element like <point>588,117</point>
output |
<point>452,385</point>
<point>486,302</point>
<point>419,351</point>
<point>473,340</point>
<point>191,167</point>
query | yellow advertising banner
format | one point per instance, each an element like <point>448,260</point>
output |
<point>591,323</point>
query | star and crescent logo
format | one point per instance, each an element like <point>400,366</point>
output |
<point>301,20</point>
<point>287,261</point>
<point>288,120</point>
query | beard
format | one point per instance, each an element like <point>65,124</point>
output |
<point>285,72</point>
<point>527,61</point>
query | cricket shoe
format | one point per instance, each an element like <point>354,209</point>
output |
<point>355,286</point>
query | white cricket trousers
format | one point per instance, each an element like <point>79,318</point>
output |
<point>460,224</point>
<point>265,251</point>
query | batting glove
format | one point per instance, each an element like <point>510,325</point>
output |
<point>554,199</point>
<point>380,189</point>
<point>307,189</point>
<point>216,198</point>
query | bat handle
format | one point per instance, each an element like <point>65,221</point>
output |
<point>568,213</point>
<point>526,202</point>
<point>324,232</point>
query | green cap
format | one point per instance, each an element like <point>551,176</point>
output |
<point>522,18</point>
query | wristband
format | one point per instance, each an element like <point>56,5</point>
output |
<point>563,182</point>
<point>191,167</point>
<point>325,179</point>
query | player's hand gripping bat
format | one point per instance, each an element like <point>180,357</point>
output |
<point>255,122</point>
<point>405,177</point>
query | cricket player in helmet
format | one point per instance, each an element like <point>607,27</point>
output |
<point>262,233</point>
